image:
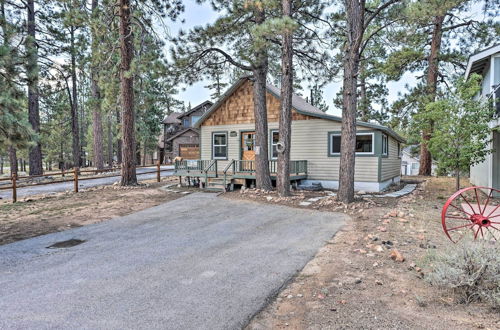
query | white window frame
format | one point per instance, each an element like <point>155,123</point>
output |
<point>273,144</point>
<point>219,145</point>
<point>386,138</point>
<point>357,153</point>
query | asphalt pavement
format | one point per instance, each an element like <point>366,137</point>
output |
<point>198,262</point>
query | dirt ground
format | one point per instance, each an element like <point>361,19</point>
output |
<point>39,215</point>
<point>353,283</point>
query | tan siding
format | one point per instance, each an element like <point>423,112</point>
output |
<point>391,165</point>
<point>309,142</point>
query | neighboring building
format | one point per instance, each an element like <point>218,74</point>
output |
<point>410,162</point>
<point>180,138</point>
<point>487,64</point>
<point>228,149</point>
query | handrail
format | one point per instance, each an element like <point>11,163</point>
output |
<point>212,163</point>
<point>231,164</point>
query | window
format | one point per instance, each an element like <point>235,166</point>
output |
<point>185,122</point>
<point>194,119</point>
<point>385,145</point>
<point>400,150</point>
<point>219,145</point>
<point>364,144</point>
<point>275,137</point>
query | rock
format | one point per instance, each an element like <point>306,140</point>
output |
<point>381,229</point>
<point>411,266</point>
<point>300,295</point>
<point>375,264</point>
<point>403,220</point>
<point>357,281</point>
<point>289,296</point>
<point>379,248</point>
<point>401,214</point>
<point>378,282</point>
<point>361,192</point>
<point>393,213</point>
<point>397,256</point>
<point>269,198</point>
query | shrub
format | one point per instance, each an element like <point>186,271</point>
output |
<point>470,269</point>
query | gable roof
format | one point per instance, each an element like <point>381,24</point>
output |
<point>206,104</point>
<point>478,61</point>
<point>182,132</point>
<point>172,118</point>
<point>298,104</point>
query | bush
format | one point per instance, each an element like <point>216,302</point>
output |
<point>470,269</point>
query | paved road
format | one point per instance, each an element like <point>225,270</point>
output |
<point>58,187</point>
<point>199,262</point>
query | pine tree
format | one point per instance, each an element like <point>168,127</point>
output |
<point>435,23</point>
<point>35,155</point>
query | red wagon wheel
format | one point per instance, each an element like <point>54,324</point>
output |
<point>472,212</point>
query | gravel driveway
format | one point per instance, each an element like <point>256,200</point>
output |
<point>63,186</point>
<point>198,262</point>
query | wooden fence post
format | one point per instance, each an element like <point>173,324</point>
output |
<point>76,179</point>
<point>158,177</point>
<point>14,187</point>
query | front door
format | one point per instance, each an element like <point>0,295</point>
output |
<point>247,150</point>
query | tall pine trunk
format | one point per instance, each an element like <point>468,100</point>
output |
<point>96,95</point>
<point>35,152</point>
<point>128,173</point>
<point>75,131</point>
<point>119,140</point>
<point>262,174</point>
<point>110,141</point>
<point>432,78</point>
<point>355,21</point>
<point>13,160</point>
<point>285,118</point>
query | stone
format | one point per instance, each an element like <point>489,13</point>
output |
<point>393,213</point>
<point>379,248</point>
<point>397,256</point>
<point>378,282</point>
<point>289,296</point>
<point>305,203</point>
<point>300,295</point>
<point>357,281</point>
<point>361,192</point>
<point>269,198</point>
<point>401,214</point>
<point>382,229</point>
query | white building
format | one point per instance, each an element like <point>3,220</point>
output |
<point>487,64</point>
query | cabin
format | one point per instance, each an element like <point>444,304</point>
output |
<point>487,64</point>
<point>180,138</point>
<point>228,148</point>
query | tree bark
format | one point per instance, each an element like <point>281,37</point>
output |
<point>432,78</point>
<point>35,152</point>
<point>285,118</point>
<point>96,96</point>
<point>119,140</point>
<point>262,174</point>
<point>457,182</point>
<point>110,142</point>
<point>128,173</point>
<point>355,21</point>
<point>13,160</point>
<point>74,105</point>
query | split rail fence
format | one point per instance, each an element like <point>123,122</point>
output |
<point>76,174</point>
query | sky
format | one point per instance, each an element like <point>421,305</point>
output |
<point>196,14</point>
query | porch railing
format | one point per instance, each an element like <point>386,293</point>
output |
<point>236,166</point>
<point>191,165</point>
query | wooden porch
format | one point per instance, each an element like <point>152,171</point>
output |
<point>216,175</point>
